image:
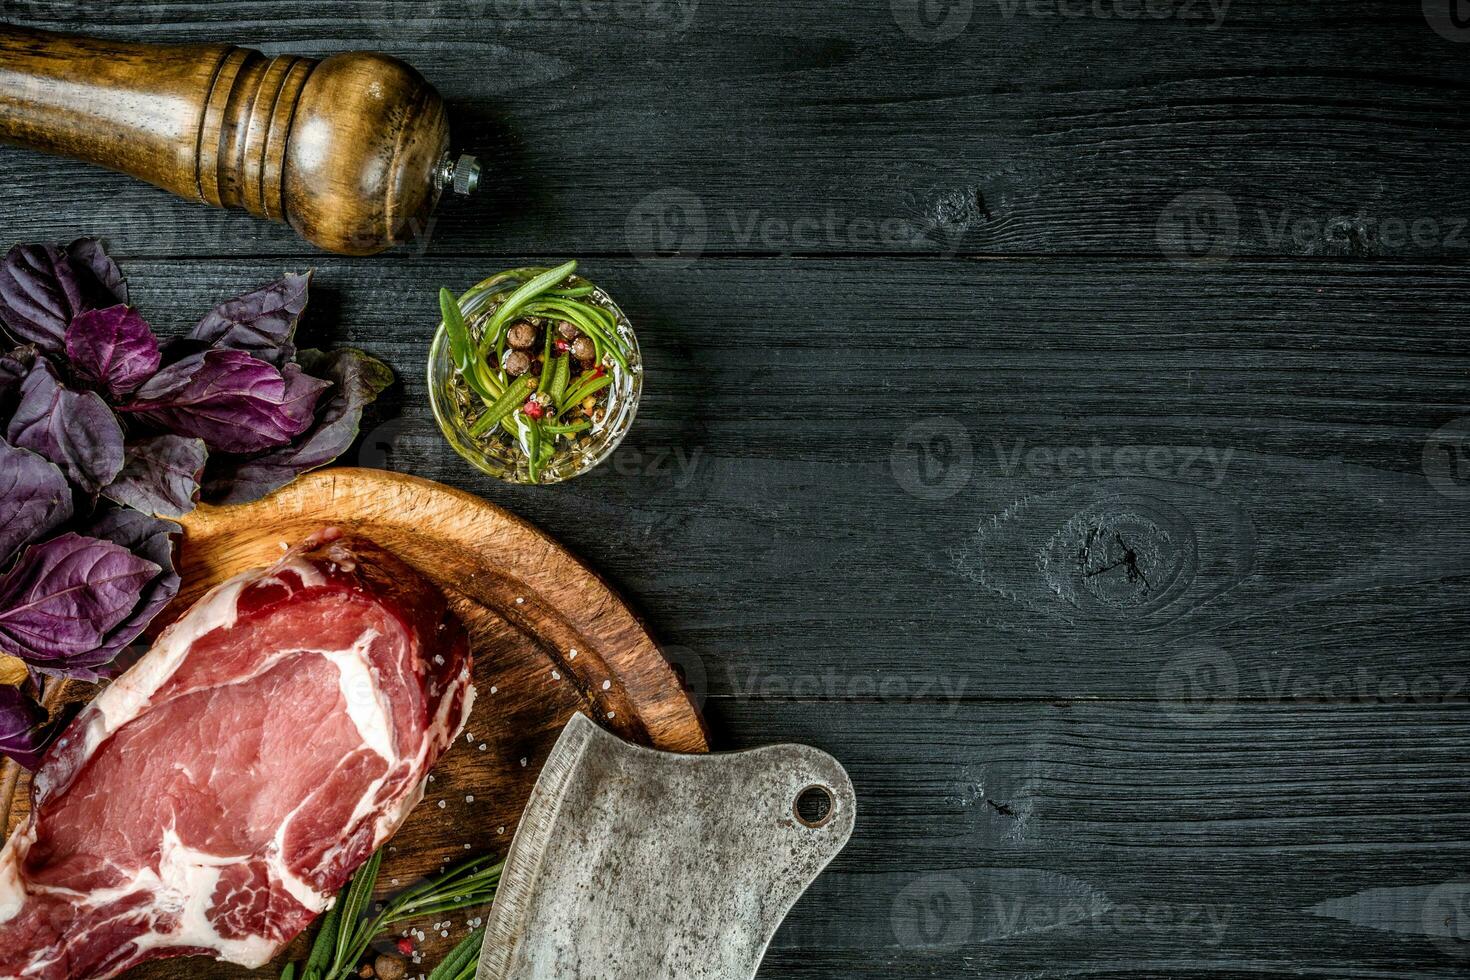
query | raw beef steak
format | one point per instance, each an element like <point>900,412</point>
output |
<point>215,798</point>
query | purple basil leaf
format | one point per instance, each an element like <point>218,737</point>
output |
<point>235,402</point>
<point>357,380</point>
<point>74,429</point>
<point>262,322</point>
<point>146,537</point>
<point>25,727</point>
<point>63,597</point>
<point>113,348</point>
<point>160,475</point>
<point>107,286</point>
<point>35,499</point>
<point>40,292</point>
<point>13,370</point>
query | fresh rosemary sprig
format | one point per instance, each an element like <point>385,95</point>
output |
<point>347,930</point>
<point>460,964</point>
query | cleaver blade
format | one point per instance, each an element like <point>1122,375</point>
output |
<point>633,864</point>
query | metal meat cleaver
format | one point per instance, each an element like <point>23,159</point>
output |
<point>631,864</point>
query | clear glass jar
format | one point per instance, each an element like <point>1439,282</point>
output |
<point>497,453</point>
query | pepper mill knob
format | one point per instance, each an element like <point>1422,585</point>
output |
<point>351,151</point>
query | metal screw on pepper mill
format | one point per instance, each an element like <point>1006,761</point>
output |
<point>351,151</point>
<point>461,174</point>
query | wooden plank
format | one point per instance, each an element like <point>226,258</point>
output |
<point>993,479</point>
<point>1203,129</point>
<point>1097,839</point>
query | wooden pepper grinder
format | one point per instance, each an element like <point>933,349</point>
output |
<point>350,150</point>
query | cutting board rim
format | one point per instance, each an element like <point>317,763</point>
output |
<point>200,522</point>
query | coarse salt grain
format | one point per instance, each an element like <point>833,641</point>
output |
<point>607,685</point>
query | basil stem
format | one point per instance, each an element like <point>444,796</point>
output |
<point>526,292</point>
<point>513,398</point>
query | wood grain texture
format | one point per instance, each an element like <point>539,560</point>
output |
<point>549,638</point>
<point>1131,840</point>
<point>1236,241</point>
<point>891,478</point>
<point>747,127</point>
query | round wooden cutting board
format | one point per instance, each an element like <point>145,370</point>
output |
<point>549,637</point>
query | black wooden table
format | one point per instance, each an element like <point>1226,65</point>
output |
<point>1056,409</point>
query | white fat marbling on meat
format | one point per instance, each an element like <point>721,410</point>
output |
<point>366,704</point>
